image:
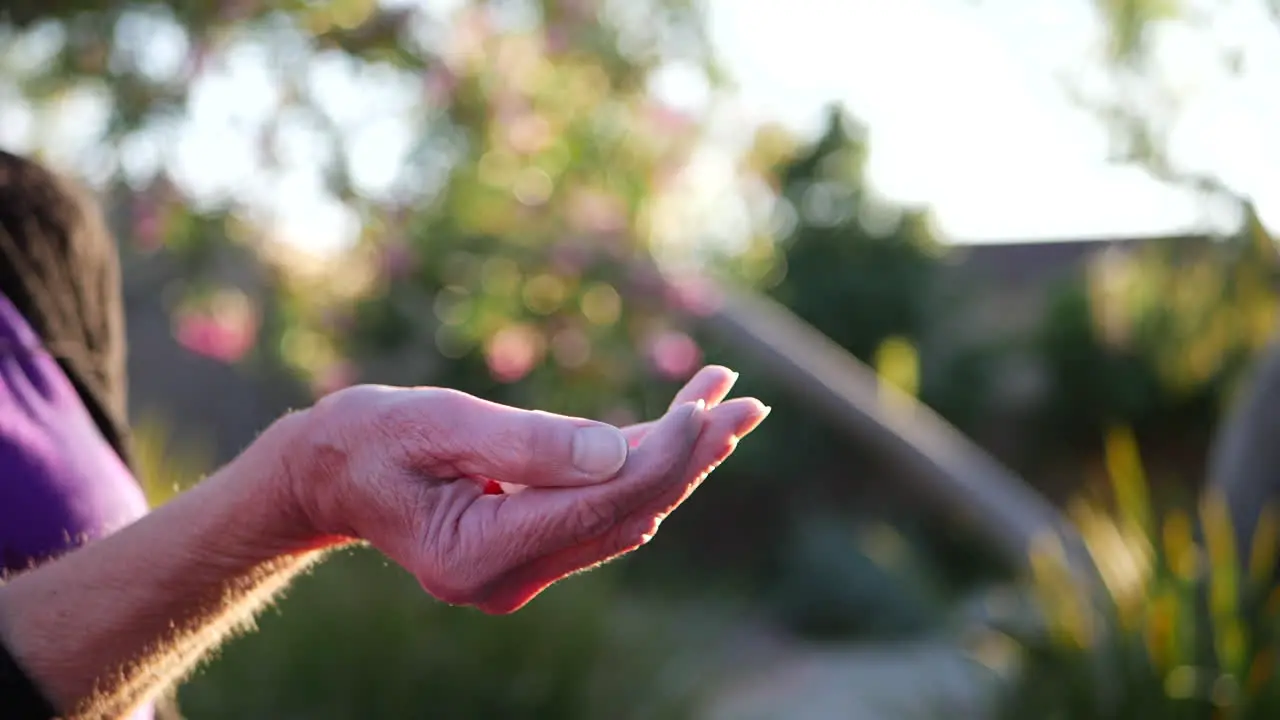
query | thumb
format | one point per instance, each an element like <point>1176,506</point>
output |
<point>478,438</point>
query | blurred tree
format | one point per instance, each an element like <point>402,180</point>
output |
<point>856,267</point>
<point>1144,109</point>
<point>1145,98</point>
<point>859,275</point>
<point>528,160</point>
<point>864,272</point>
<point>1173,328</point>
<point>1158,334</point>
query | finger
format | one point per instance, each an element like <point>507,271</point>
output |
<point>711,385</point>
<point>453,434</point>
<point>725,425</point>
<point>540,521</point>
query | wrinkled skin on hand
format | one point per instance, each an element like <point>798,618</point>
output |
<point>407,471</point>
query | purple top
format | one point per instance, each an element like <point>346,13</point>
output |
<point>61,483</point>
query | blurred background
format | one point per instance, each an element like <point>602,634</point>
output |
<point>1002,269</point>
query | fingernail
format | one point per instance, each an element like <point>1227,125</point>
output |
<point>599,450</point>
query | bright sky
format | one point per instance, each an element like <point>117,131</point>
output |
<point>963,99</point>
<point>966,113</point>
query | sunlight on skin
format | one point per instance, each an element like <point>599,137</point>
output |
<point>711,385</point>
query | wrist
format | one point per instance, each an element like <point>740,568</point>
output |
<point>279,491</point>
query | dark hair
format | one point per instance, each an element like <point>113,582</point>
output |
<point>60,267</point>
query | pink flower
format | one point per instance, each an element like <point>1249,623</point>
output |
<point>213,337</point>
<point>693,296</point>
<point>513,352</point>
<point>667,120</point>
<point>471,33</point>
<point>596,212</point>
<point>666,174</point>
<point>529,133</point>
<point>675,355</point>
<point>440,84</point>
<point>225,331</point>
<point>508,107</point>
<point>558,39</point>
<point>148,229</point>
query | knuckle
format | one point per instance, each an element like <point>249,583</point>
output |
<point>429,407</point>
<point>539,440</point>
<point>525,442</point>
<point>340,405</point>
<point>423,421</point>
<point>356,411</point>
<point>444,400</point>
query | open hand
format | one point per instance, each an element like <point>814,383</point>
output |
<point>408,471</point>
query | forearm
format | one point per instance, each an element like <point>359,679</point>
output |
<point>110,624</point>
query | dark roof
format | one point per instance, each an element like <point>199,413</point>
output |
<point>1034,261</point>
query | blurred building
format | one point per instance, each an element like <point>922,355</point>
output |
<point>1006,289</point>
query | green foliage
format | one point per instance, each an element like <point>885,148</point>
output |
<point>960,389</point>
<point>1190,629</point>
<point>1144,98</point>
<point>522,252</point>
<point>360,639</point>
<point>865,273</point>
<point>858,269</point>
<point>1130,22</point>
<point>164,468</point>
<point>1093,383</point>
<point>842,579</point>
<point>1163,331</point>
<point>535,178</point>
